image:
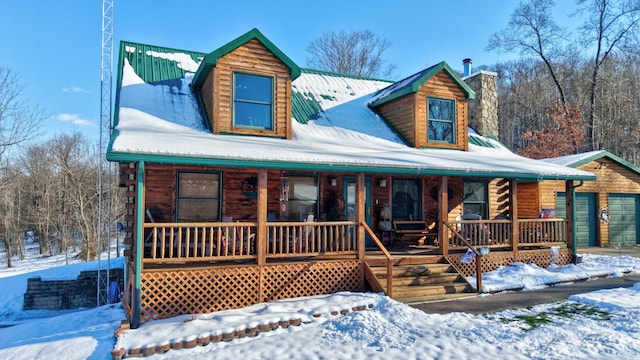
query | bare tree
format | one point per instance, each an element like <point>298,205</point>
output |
<point>19,122</point>
<point>39,189</point>
<point>77,192</point>
<point>10,208</point>
<point>19,119</point>
<point>358,53</point>
<point>532,31</point>
<point>609,25</point>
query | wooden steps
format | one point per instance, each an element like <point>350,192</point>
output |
<point>418,280</point>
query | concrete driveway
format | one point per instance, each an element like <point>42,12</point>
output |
<point>610,251</point>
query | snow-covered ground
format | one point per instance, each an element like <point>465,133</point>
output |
<point>596,325</point>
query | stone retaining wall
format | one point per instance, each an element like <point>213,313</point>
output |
<point>67,294</point>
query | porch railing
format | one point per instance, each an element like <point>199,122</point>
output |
<point>542,231</point>
<point>497,233</point>
<point>310,238</point>
<point>179,242</point>
<point>193,242</point>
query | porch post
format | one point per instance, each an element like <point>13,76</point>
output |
<point>139,236</point>
<point>261,243</point>
<point>443,216</point>
<point>513,215</point>
<point>360,214</point>
<point>570,216</point>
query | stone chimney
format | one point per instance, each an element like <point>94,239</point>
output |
<point>483,110</point>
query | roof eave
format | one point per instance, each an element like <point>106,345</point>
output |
<point>415,86</point>
<point>602,154</point>
<point>116,156</point>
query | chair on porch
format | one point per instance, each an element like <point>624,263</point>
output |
<point>474,232</point>
<point>154,215</point>
<point>240,243</point>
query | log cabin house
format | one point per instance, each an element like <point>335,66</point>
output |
<point>248,179</point>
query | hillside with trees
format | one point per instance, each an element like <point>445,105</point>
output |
<point>591,71</point>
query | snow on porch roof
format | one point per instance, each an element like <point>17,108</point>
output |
<point>160,121</point>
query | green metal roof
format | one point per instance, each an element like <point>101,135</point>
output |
<point>211,59</point>
<point>304,106</point>
<point>412,84</point>
<point>153,69</point>
<point>475,140</point>
<point>348,76</point>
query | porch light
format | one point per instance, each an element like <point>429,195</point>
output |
<point>383,182</point>
<point>333,181</point>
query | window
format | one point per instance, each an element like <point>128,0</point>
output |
<point>252,101</point>
<point>475,198</point>
<point>302,198</point>
<point>406,200</point>
<point>441,120</point>
<point>198,196</point>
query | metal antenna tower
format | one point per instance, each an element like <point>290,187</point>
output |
<point>105,127</point>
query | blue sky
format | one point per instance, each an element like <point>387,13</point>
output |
<point>54,46</point>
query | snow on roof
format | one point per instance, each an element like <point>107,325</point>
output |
<point>569,160</point>
<point>162,122</point>
<point>343,104</point>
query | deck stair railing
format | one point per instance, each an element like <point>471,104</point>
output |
<point>385,252</point>
<point>459,238</point>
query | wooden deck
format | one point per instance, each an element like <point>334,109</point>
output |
<point>190,267</point>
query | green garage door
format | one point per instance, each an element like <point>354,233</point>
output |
<point>585,217</point>
<point>623,219</point>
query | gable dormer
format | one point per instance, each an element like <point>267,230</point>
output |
<point>429,108</point>
<point>245,87</point>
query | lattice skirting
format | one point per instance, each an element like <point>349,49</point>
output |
<point>168,293</point>
<point>493,260</point>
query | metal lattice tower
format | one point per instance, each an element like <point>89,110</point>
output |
<point>104,190</point>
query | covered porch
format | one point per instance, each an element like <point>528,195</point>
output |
<point>190,267</point>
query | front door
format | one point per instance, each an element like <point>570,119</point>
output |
<point>585,217</point>
<point>350,203</point>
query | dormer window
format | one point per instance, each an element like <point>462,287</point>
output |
<point>441,122</point>
<point>252,101</point>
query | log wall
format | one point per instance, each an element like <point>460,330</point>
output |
<point>529,200</point>
<point>401,114</point>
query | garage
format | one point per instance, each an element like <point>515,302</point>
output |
<point>623,219</point>
<point>585,217</point>
<point>615,193</point>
